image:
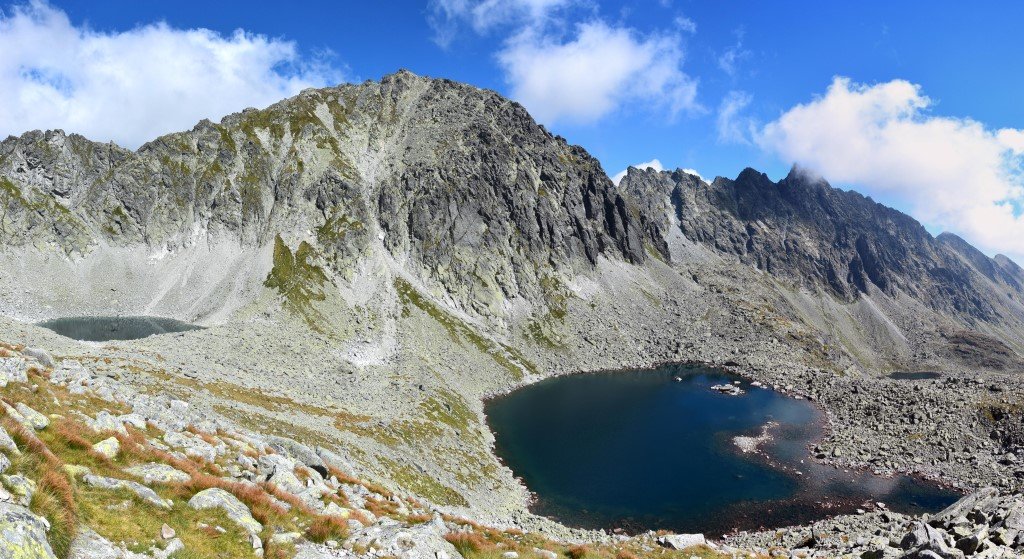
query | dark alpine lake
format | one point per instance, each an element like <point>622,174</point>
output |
<point>639,450</point>
<point>106,328</point>
<point>917,375</point>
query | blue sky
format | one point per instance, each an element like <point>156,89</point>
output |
<point>925,115</point>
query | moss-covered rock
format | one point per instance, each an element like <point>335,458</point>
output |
<point>23,534</point>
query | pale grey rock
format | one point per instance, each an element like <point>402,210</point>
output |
<point>155,472</point>
<point>30,417</point>
<point>7,443</point>
<point>144,493</point>
<point>287,480</point>
<point>332,509</point>
<point>192,445</point>
<point>964,506</point>
<point>682,541</point>
<point>23,534</point>
<point>285,538</point>
<point>104,421</point>
<point>40,355</point>
<point>12,369</point>
<point>423,541</point>
<point>22,488</point>
<point>108,447</point>
<point>234,508</point>
<point>90,545</point>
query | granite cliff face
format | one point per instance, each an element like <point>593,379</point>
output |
<point>804,231</point>
<point>456,183</point>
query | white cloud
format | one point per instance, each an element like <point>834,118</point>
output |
<point>652,164</point>
<point>732,127</point>
<point>484,15</point>
<point>131,86</point>
<point>599,70</point>
<point>695,173</point>
<point>564,68</point>
<point>951,173</point>
<point>686,24</point>
<point>730,59</point>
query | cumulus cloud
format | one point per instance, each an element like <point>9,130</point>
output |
<point>598,70</point>
<point>568,68</point>
<point>652,164</point>
<point>731,125</point>
<point>686,24</point>
<point>484,15</point>
<point>729,60</point>
<point>951,173</point>
<point>131,86</point>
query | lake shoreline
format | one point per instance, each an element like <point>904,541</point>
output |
<point>787,465</point>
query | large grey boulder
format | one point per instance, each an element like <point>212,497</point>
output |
<point>141,491</point>
<point>155,472</point>
<point>27,416</point>
<point>12,369</point>
<point>390,538</point>
<point>925,539</point>
<point>193,446</point>
<point>7,443</point>
<point>23,534</point>
<point>965,505</point>
<point>40,355</point>
<point>682,541</point>
<point>235,509</point>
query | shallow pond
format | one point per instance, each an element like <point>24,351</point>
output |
<point>918,375</point>
<point>106,328</point>
<point>639,450</point>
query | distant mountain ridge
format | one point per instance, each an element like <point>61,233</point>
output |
<point>458,190</point>
<point>806,231</point>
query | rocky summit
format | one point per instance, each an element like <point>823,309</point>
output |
<point>370,262</point>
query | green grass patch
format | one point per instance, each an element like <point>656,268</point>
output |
<point>299,281</point>
<point>509,358</point>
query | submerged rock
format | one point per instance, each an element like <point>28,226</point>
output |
<point>730,389</point>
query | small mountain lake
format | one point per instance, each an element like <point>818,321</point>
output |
<point>915,375</point>
<point>649,450</point>
<point>107,328</point>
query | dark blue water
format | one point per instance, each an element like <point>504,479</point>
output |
<point>638,450</point>
<point>106,328</point>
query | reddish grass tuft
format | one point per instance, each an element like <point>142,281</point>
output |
<point>55,496</point>
<point>577,551</point>
<point>418,518</point>
<point>468,542</point>
<point>326,528</point>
